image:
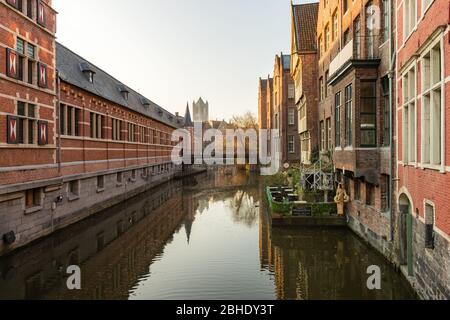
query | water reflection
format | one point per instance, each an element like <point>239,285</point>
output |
<point>206,237</point>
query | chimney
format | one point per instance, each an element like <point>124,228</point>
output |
<point>177,114</point>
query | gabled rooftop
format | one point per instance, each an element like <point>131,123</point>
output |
<point>305,24</point>
<point>71,67</point>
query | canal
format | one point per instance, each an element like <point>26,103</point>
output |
<point>207,237</point>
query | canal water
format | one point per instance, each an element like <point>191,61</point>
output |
<point>207,237</point>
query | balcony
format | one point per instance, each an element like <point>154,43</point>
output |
<point>359,52</point>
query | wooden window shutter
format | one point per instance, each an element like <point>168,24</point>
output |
<point>12,126</point>
<point>43,133</point>
<point>14,3</point>
<point>40,13</point>
<point>43,75</point>
<point>12,63</point>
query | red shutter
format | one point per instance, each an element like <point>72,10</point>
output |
<point>14,3</point>
<point>43,76</point>
<point>12,126</point>
<point>42,133</point>
<point>40,13</point>
<point>12,63</point>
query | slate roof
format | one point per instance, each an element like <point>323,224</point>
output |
<point>187,118</point>
<point>305,24</point>
<point>70,67</point>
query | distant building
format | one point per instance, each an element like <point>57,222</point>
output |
<point>200,110</point>
<point>262,104</point>
<point>284,112</point>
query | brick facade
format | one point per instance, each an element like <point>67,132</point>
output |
<point>66,146</point>
<point>304,64</point>
<point>284,114</point>
<point>423,175</point>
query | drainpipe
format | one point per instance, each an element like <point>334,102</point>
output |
<point>392,166</point>
<point>57,123</point>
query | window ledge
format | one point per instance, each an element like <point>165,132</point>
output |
<point>100,190</point>
<point>33,210</point>
<point>119,184</point>
<point>73,198</point>
<point>436,167</point>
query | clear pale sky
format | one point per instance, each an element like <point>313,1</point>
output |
<point>174,51</point>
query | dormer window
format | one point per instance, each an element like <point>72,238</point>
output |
<point>124,91</point>
<point>88,71</point>
<point>145,102</point>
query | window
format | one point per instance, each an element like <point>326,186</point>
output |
<point>370,194</point>
<point>429,226</point>
<point>141,134</point>
<point>335,25</point>
<point>370,17</point>
<point>133,175</point>
<point>386,26</point>
<point>368,114</point>
<point>425,4</point>
<point>33,198</point>
<point>291,144</point>
<point>346,36</point>
<point>327,38</point>
<point>348,115</point>
<point>432,88</point>
<point>27,65</point>
<point>25,6</point>
<point>329,135</point>
<point>119,178</point>
<point>357,40</point>
<point>345,6</point>
<point>337,103</point>
<point>74,188</point>
<point>322,136</point>
<point>69,118</point>
<point>131,132</point>
<point>291,116</point>
<point>386,112</point>
<point>116,129</point>
<point>26,130</point>
<point>409,116</point>
<point>357,188</point>
<point>321,89</point>
<point>100,182</point>
<point>96,124</point>
<point>326,87</point>
<point>291,91</point>
<point>410,17</point>
<point>320,47</point>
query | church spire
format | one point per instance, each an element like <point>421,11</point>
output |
<point>187,117</point>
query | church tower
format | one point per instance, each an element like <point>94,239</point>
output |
<point>200,110</point>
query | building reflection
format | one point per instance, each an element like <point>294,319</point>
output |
<point>326,264</point>
<point>114,249</point>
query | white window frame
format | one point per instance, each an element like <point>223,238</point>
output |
<point>291,116</point>
<point>409,29</point>
<point>429,90</point>
<point>291,142</point>
<point>409,148</point>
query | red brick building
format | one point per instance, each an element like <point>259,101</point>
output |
<point>284,114</point>
<point>73,139</point>
<point>304,63</point>
<point>423,148</point>
<point>355,111</point>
